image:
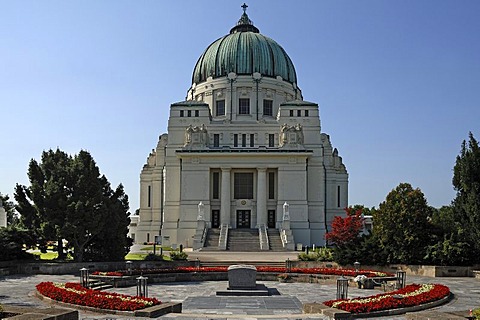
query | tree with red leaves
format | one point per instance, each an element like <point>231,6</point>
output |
<point>346,230</point>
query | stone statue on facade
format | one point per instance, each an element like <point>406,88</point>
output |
<point>196,136</point>
<point>291,135</point>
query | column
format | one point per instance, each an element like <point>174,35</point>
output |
<point>225,197</point>
<point>261,196</point>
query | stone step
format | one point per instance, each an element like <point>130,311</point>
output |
<point>253,263</point>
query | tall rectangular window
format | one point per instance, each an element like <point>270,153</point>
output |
<point>220,108</point>
<point>268,107</point>
<point>306,113</point>
<point>243,106</point>
<point>189,113</point>
<point>216,140</point>
<point>149,197</point>
<point>338,196</point>
<point>252,140</point>
<point>235,140</point>
<point>291,113</point>
<point>216,185</point>
<point>244,140</point>
<point>299,113</point>
<point>271,140</point>
<point>271,185</point>
<point>181,113</point>
<point>197,113</point>
<point>243,185</point>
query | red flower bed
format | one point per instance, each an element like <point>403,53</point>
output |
<point>411,295</point>
<point>74,293</point>
<point>324,271</point>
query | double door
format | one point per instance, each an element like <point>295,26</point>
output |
<point>243,219</point>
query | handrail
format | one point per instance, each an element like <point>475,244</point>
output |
<point>263,237</point>
<point>222,239</point>
<point>204,235</point>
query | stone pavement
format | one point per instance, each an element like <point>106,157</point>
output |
<point>199,300</point>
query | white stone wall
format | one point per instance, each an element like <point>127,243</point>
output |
<point>178,171</point>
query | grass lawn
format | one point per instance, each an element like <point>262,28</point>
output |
<point>150,248</point>
<point>49,255</point>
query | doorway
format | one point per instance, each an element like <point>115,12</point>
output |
<point>215,219</point>
<point>243,219</point>
<point>271,219</point>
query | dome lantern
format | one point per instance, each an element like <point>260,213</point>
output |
<point>244,51</point>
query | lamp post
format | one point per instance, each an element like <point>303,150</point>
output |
<point>142,288</point>
<point>356,264</point>
<point>401,279</point>
<point>84,277</point>
<point>129,267</point>
<point>342,288</point>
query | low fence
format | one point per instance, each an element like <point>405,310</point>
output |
<point>20,267</point>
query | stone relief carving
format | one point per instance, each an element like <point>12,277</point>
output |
<point>196,136</point>
<point>291,135</point>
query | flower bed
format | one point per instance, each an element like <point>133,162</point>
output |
<point>411,295</point>
<point>74,293</point>
<point>324,271</point>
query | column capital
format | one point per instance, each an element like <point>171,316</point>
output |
<point>263,169</point>
<point>226,168</point>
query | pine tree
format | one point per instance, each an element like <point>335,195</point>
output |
<point>466,205</point>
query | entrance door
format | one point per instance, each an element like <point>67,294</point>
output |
<point>271,219</point>
<point>243,219</point>
<point>215,218</point>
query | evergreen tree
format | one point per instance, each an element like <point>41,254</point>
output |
<point>42,206</point>
<point>69,199</point>
<point>466,205</point>
<point>12,218</point>
<point>401,225</point>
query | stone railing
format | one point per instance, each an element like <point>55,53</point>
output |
<point>222,239</point>
<point>263,236</point>
<point>200,235</point>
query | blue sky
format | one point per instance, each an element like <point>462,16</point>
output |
<point>397,82</point>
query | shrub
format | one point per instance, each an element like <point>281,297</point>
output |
<point>153,257</point>
<point>476,313</point>
<point>178,255</point>
<point>320,254</point>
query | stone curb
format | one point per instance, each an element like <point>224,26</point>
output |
<point>149,312</point>
<point>334,313</point>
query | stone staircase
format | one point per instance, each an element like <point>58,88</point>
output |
<point>211,241</point>
<point>245,240</point>
<point>274,240</point>
<point>98,285</point>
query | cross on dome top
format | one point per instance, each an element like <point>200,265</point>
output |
<point>244,23</point>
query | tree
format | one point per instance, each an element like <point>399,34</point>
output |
<point>466,205</point>
<point>43,205</point>
<point>450,239</point>
<point>9,207</point>
<point>346,230</point>
<point>401,225</point>
<point>69,199</point>
<point>12,241</point>
<point>350,243</point>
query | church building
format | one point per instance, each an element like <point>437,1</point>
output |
<point>244,151</point>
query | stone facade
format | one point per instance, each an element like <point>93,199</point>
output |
<point>243,145</point>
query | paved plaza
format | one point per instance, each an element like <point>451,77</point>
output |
<point>200,302</point>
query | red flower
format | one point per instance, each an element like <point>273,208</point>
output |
<point>74,293</point>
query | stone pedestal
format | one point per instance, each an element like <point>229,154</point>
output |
<point>242,281</point>
<point>242,277</point>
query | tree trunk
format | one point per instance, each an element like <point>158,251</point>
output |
<point>60,250</point>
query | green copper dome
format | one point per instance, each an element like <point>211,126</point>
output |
<point>244,51</point>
